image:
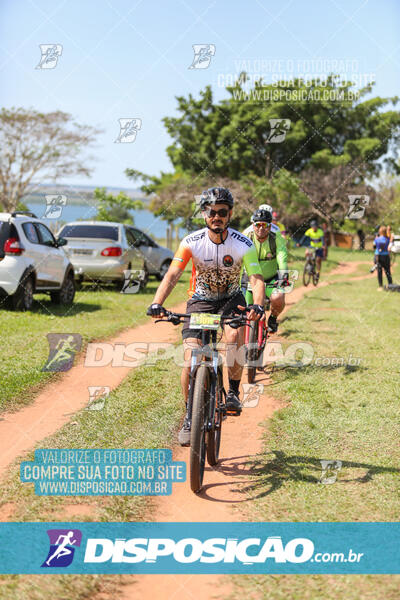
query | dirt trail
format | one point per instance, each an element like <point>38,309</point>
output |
<point>53,407</point>
<point>223,490</point>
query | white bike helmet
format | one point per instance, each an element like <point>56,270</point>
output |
<point>266,207</point>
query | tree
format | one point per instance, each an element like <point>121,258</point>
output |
<point>389,203</point>
<point>328,192</point>
<point>37,147</point>
<point>115,208</point>
<point>173,195</point>
<point>233,138</point>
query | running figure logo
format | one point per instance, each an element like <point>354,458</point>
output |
<point>128,130</point>
<point>62,350</point>
<point>50,54</point>
<point>357,206</point>
<point>330,470</point>
<point>132,281</point>
<point>54,206</point>
<point>293,276</point>
<point>279,128</point>
<point>62,542</point>
<point>203,54</point>
<point>97,396</point>
<point>251,394</point>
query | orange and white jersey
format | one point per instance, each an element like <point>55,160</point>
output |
<point>216,267</point>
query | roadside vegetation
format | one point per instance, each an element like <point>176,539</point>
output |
<point>343,412</point>
<point>95,314</point>
<point>143,412</point>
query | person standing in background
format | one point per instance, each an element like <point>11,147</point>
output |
<point>361,239</point>
<point>382,256</point>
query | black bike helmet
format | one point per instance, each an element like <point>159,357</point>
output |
<point>261,216</point>
<point>313,223</point>
<point>216,195</point>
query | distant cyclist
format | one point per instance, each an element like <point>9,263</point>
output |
<point>316,237</point>
<point>276,223</point>
<point>272,255</point>
<point>218,254</point>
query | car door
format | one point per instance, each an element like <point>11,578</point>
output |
<point>136,257</point>
<point>55,257</point>
<point>37,254</point>
<point>149,250</point>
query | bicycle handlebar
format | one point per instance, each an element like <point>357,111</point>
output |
<point>178,318</point>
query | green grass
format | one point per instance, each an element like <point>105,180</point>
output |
<point>143,412</point>
<point>94,314</point>
<point>348,413</point>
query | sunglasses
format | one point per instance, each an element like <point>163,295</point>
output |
<point>263,225</point>
<point>222,212</point>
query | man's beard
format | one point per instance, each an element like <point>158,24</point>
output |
<point>217,228</point>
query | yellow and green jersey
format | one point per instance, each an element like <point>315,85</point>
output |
<point>269,257</point>
<point>316,237</point>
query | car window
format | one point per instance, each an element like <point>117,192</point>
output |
<point>139,235</point>
<point>107,232</point>
<point>149,240</point>
<point>45,234</point>
<point>130,237</point>
<point>30,232</point>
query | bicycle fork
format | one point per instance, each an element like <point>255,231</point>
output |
<point>198,357</point>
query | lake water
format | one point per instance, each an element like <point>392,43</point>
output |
<point>144,219</point>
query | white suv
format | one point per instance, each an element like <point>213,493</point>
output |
<point>32,261</point>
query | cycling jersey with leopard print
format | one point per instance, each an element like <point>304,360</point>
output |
<point>216,268</point>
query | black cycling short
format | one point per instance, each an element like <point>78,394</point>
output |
<point>216,307</point>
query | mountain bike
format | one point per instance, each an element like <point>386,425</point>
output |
<point>256,336</point>
<point>206,401</point>
<point>310,271</point>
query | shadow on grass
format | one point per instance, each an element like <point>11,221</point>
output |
<point>274,472</point>
<point>46,307</point>
<point>294,371</point>
<point>101,287</point>
<point>282,468</point>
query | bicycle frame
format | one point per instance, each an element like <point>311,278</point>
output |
<point>199,355</point>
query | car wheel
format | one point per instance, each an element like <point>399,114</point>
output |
<point>67,292</point>
<point>23,297</point>
<point>145,280</point>
<point>163,270</point>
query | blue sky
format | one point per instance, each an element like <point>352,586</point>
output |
<point>125,59</point>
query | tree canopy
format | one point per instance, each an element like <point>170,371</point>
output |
<point>39,147</point>
<point>232,138</point>
<point>115,208</point>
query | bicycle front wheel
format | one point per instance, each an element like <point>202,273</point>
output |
<point>214,435</point>
<point>252,353</point>
<point>201,398</point>
<point>315,277</point>
<point>307,273</point>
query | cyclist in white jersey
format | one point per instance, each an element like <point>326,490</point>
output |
<point>218,253</point>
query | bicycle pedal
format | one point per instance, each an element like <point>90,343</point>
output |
<point>233,413</point>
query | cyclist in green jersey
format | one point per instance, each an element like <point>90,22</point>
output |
<point>272,256</point>
<point>316,237</point>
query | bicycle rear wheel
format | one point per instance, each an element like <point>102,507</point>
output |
<point>201,396</point>
<point>307,273</point>
<point>252,353</point>
<point>214,435</point>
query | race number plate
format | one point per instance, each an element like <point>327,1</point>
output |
<point>204,321</point>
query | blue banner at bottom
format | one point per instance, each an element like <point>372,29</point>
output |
<point>215,548</point>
